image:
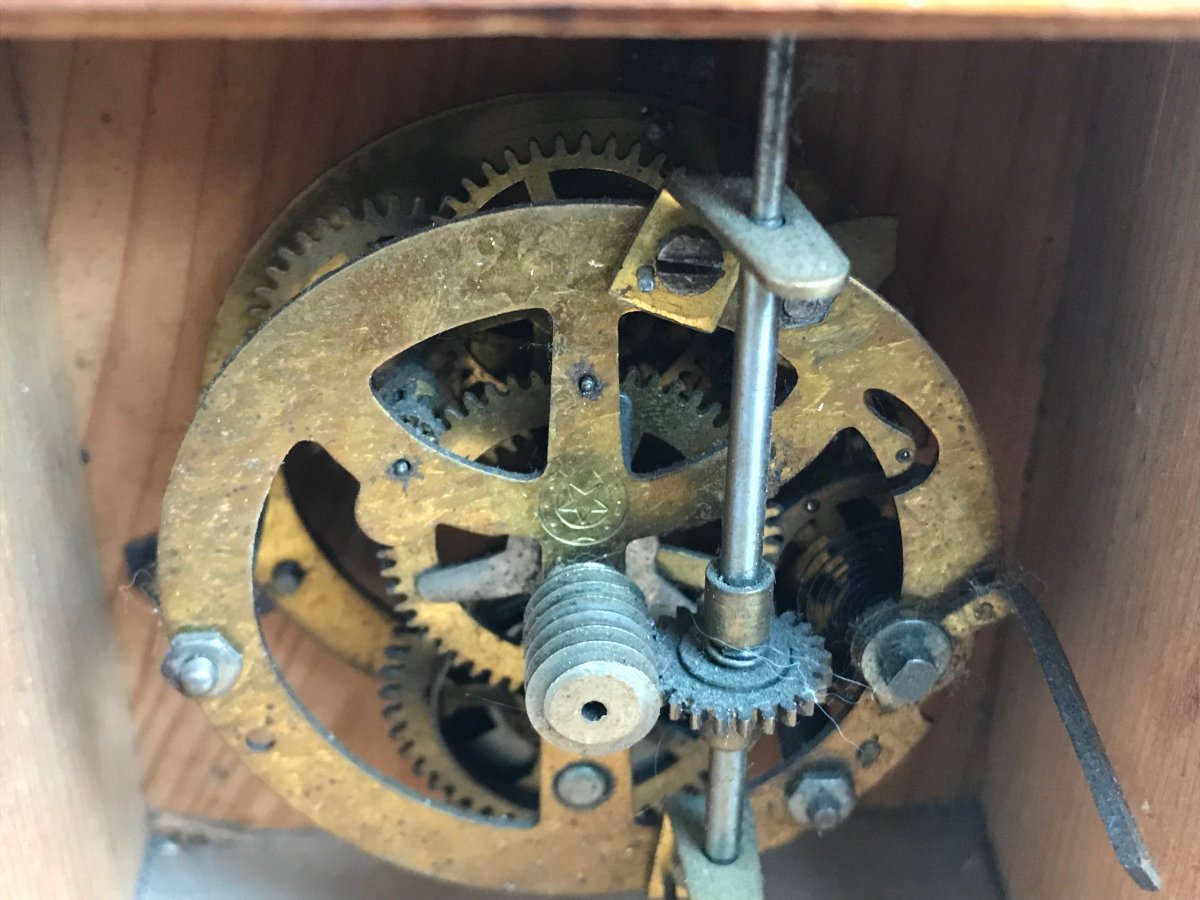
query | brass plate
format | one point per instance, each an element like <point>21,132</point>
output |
<point>281,389</point>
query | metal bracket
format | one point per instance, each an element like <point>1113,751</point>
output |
<point>702,878</point>
<point>797,260</point>
<point>1127,841</point>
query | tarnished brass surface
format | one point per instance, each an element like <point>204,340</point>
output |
<point>456,163</point>
<point>699,311</point>
<point>280,389</point>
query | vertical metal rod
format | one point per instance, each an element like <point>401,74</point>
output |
<point>757,338</point>
<point>740,559</point>
<point>723,811</point>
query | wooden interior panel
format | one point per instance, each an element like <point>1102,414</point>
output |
<point>72,819</point>
<point>596,18</point>
<point>158,174</point>
<point>1111,531</point>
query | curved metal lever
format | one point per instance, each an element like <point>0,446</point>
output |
<point>1123,832</point>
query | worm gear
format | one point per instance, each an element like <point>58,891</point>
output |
<point>791,676</point>
<point>471,743</point>
<point>536,174</point>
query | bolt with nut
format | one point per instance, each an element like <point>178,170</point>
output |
<point>201,663</point>
<point>902,655</point>
<point>822,799</point>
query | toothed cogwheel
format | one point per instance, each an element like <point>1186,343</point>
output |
<point>790,679</point>
<point>416,678</point>
<point>669,411</point>
<point>534,173</point>
<point>677,417</point>
<point>320,248</point>
<point>413,665</point>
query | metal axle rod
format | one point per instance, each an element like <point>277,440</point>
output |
<point>741,557</point>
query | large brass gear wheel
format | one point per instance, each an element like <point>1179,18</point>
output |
<point>263,404</point>
<point>381,193</point>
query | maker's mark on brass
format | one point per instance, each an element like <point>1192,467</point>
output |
<point>463,432</point>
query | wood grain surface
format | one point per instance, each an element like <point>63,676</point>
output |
<point>1111,531</point>
<point>72,818</point>
<point>159,163</point>
<point>598,18</point>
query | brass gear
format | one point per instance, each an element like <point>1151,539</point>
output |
<point>263,404</point>
<point>534,173</point>
<point>669,411</point>
<point>411,669</point>
<point>416,682</point>
<point>323,246</point>
<point>674,415</point>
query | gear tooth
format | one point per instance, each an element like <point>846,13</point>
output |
<point>420,208</point>
<point>305,241</point>
<point>510,157</point>
<point>456,207</point>
<point>389,692</point>
<point>560,145</point>
<point>275,274</point>
<point>674,712</point>
<point>489,171</point>
<point>288,255</point>
<point>768,725</point>
<point>471,402</point>
<point>790,717</point>
<point>694,721</point>
<point>744,724</point>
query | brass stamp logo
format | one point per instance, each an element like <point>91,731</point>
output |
<point>580,505</point>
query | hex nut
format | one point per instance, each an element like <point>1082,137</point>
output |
<point>822,799</point>
<point>201,663</point>
<point>902,656</point>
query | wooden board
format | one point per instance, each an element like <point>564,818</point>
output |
<point>593,18</point>
<point>72,820</point>
<point>1111,533</point>
<point>159,163</point>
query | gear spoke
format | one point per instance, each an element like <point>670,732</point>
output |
<point>540,188</point>
<point>585,392</point>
